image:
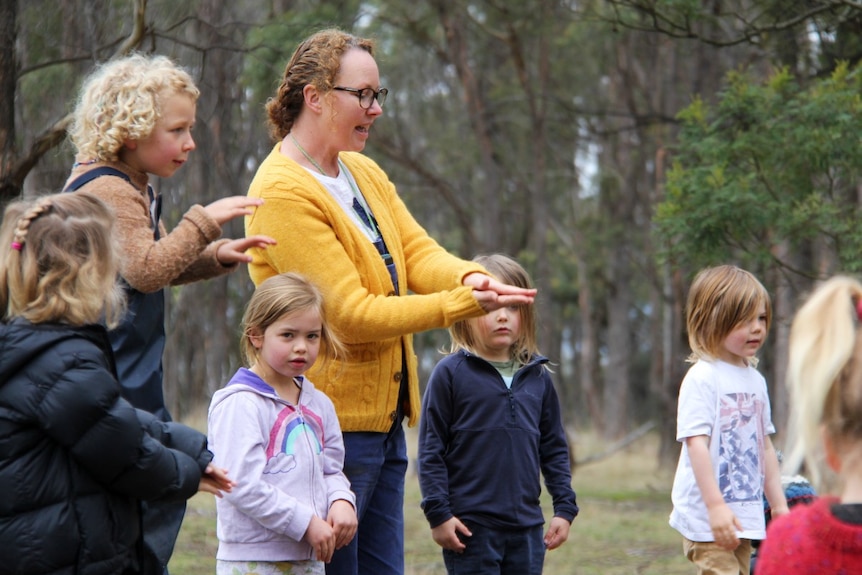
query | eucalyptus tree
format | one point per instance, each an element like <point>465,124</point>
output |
<point>749,138</point>
<point>546,130</point>
<point>495,109</point>
<point>45,48</point>
<point>477,140</point>
<point>784,30</point>
<point>53,46</point>
<point>638,81</point>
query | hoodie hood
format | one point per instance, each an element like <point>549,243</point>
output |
<point>246,380</point>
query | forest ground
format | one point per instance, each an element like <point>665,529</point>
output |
<point>622,528</point>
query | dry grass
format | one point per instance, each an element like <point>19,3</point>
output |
<point>622,528</point>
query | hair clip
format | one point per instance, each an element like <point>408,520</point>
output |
<point>17,246</point>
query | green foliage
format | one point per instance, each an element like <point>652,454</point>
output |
<point>772,163</point>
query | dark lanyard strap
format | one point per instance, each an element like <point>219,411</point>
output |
<point>368,219</point>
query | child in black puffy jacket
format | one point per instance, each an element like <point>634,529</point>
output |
<point>76,459</point>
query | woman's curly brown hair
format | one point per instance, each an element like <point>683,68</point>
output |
<point>316,62</point>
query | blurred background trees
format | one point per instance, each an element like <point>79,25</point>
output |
<point>614,147</point>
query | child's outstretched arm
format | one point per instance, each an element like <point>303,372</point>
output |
<point>446,534</point>
<point>558,533</point>
<point>233,251</point>
<point>722,521</point>
<point>226,209</point>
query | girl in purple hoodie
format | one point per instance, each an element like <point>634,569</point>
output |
<point>292,506</point>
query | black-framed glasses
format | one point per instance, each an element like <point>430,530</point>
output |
<point>366,95</point>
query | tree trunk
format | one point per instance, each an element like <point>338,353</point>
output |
<point>8,81</point>
<point>491,190</point>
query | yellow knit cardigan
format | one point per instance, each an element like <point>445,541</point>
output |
<point>317,239</point>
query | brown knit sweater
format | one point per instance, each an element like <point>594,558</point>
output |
<point>186,254</point>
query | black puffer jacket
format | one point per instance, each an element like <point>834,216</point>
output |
<point>76,458</point>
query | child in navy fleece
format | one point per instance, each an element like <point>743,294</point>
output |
<point>492,402</point>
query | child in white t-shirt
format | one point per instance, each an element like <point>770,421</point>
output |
<point>724,421</point>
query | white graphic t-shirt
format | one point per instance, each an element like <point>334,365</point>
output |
<point>730,405</point>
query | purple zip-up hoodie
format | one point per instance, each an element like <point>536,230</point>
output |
<point>287,461</point>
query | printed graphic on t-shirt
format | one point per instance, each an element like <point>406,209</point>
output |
<point>740,476</point>
<point>293,432</point>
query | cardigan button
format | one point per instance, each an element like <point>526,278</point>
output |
<point>392,293</point>
<point>397,377</point>
<point>393,415</point>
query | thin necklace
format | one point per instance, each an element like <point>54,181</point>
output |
<point>307,155</point>
<point>366,217</point>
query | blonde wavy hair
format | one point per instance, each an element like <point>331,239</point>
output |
<point>121,101</point>
<point>316,61</point>
<point>58,261</point>
<point>281,295</point>
<point>721,298</point>
<point>824,379</point>
<point>508,271</point>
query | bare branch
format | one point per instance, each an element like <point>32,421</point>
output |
<point>450,195</point>
<point>751,33</point>
<point>614,447</point>
<point>54,135</point>
<point>139,29</point>
<point>44,142</point>
<point>199,48</point>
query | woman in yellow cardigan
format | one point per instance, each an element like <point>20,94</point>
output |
<point>338,220</point>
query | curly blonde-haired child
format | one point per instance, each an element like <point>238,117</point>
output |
<point>134,118</point>
<point>76,458</point>
<point>727,462</point>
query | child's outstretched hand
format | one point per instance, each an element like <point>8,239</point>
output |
<point>233,252</point>
<point>558,532</point>
<point>226,209</point>
<point>446,534</point>
<point>321,537</point>
<point>215,480</point>
<point>342,518</point>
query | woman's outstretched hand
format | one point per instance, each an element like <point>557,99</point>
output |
<point>493,294</point>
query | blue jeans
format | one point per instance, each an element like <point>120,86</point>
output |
<point>498,552</point>
<point>375,464</point>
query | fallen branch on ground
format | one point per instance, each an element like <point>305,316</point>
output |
<point>613,448</point>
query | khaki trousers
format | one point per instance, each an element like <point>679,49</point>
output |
<point>711,559</point>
